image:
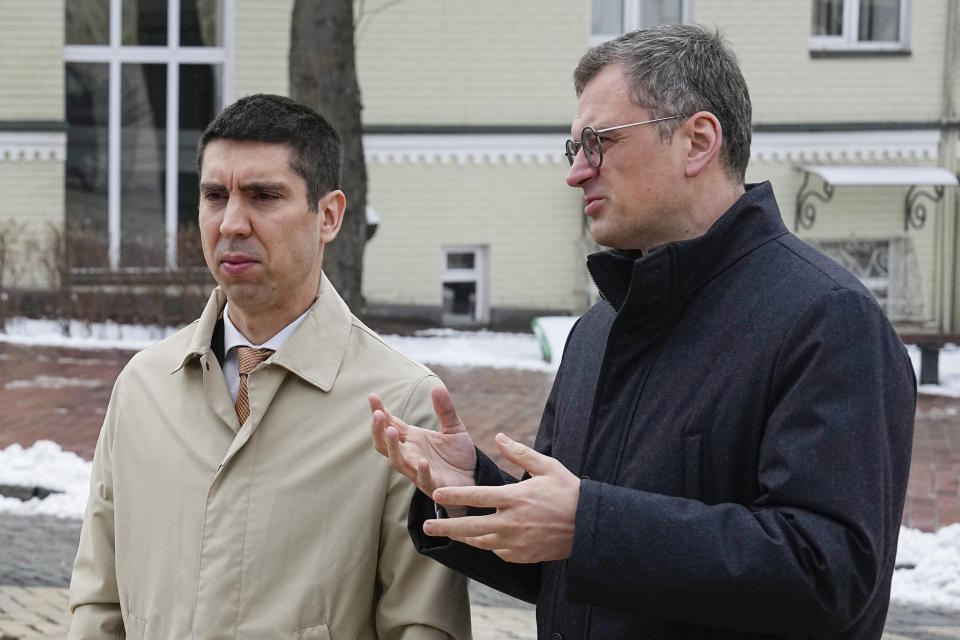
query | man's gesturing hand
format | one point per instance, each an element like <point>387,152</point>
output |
<point>431,459</point>
<point>534,521</point>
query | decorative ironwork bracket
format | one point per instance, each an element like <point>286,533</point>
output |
<point>915,213</point>
<point>806,212</point>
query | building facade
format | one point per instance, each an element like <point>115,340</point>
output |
<point>466,109</point>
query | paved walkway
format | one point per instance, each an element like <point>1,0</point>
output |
<point>60,394</point>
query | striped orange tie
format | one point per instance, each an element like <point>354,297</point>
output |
<point>247,360</point>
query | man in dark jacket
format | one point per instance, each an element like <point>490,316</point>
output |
<point>726,446</point>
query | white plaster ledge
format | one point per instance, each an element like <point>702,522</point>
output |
<point>915,145</point>
<point>464,149</point>
<point>33,146</point>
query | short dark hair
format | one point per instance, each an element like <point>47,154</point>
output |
<point>316,148</point>
<point>680,69</point>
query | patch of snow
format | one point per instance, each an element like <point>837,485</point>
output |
<point>552,331</point>
<point>934,581</point>
<point>85,362</point>
<point>53,382</point>
<point>96,335</point>
<point>46,465</point>
<point>948,370</point>
<point>451,348</point>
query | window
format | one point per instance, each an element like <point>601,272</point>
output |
<point>465,289</point>
<point>143,79</point>
<point>860,25</point>
<point>610,18</point>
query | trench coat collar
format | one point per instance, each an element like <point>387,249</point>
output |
<point>652,286</point>
<point>315,350</point>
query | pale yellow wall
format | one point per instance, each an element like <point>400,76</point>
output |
<point>31,60</point>
<point>34,204</point>
<point>771,39</point>
<point>261,46</point>
<point>526,214</point>
<point>483,62</point>
<point>855,212</point>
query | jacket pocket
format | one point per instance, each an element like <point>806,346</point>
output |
<point>316,632</point>
<point>135,628</point>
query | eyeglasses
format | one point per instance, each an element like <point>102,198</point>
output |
<point>590,141</point>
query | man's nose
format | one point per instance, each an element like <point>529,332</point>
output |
<point>236,218</point>
<point>580,170</point>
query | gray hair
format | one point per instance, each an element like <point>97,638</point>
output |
<point>680,69</point>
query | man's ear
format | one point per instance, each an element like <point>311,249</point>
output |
<point>330,210</point>
<point>706,138</point>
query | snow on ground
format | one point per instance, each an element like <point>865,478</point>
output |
<point>473,349</point>
<point>52,382</point>
<point>934,583</point>
<point>95,335</point>
<point>45,465</point>
<point>949,371</point>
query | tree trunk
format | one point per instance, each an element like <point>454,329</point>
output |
<point>323,76</point>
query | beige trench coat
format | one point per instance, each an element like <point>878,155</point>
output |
<point>288,526</point>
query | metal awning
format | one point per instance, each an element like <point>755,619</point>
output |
<point>915,213</point>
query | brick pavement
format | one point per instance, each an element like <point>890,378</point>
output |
<point>932,493</point>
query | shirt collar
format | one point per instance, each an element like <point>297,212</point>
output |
<point>233,338</point>
<point>314,354</point>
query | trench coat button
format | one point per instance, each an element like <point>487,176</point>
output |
<point>556,636</point>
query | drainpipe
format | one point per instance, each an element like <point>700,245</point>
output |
<point>949,320</point>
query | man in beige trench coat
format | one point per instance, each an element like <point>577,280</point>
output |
<point>234,491</point>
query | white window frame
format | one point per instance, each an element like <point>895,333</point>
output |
<point>632,12</point>
<point>847,41</point>
<point>173,55</point>
<point>480,275</point>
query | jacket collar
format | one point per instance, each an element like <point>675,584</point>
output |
<point>315,350</point>
<point>651,286</point>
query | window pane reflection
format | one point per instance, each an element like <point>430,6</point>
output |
<point>661,12</point>
<point>460,260</point>
<point>87,22</point>
<point>199,104</point>
<point>145,22</point>
<point>86,170</point>
<point>879,20</point>
<point>142,165</point>
<point>200,22</point>
<point>827,18</point>
<point>606,17</point>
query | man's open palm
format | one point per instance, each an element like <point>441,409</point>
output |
<point>430,459</point>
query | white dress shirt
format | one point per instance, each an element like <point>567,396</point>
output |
<point>232,338</point>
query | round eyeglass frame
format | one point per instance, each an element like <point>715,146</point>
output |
<point>590,141</point>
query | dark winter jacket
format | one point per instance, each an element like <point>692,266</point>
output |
<point>741,413</point>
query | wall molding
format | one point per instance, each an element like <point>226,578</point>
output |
<point>880,146</point>
<point>493,149</point>
<point>33,146</point>
<point>872,146</point>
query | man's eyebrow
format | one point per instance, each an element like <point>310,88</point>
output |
<point>211,186</point>
<point>264,186</point>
